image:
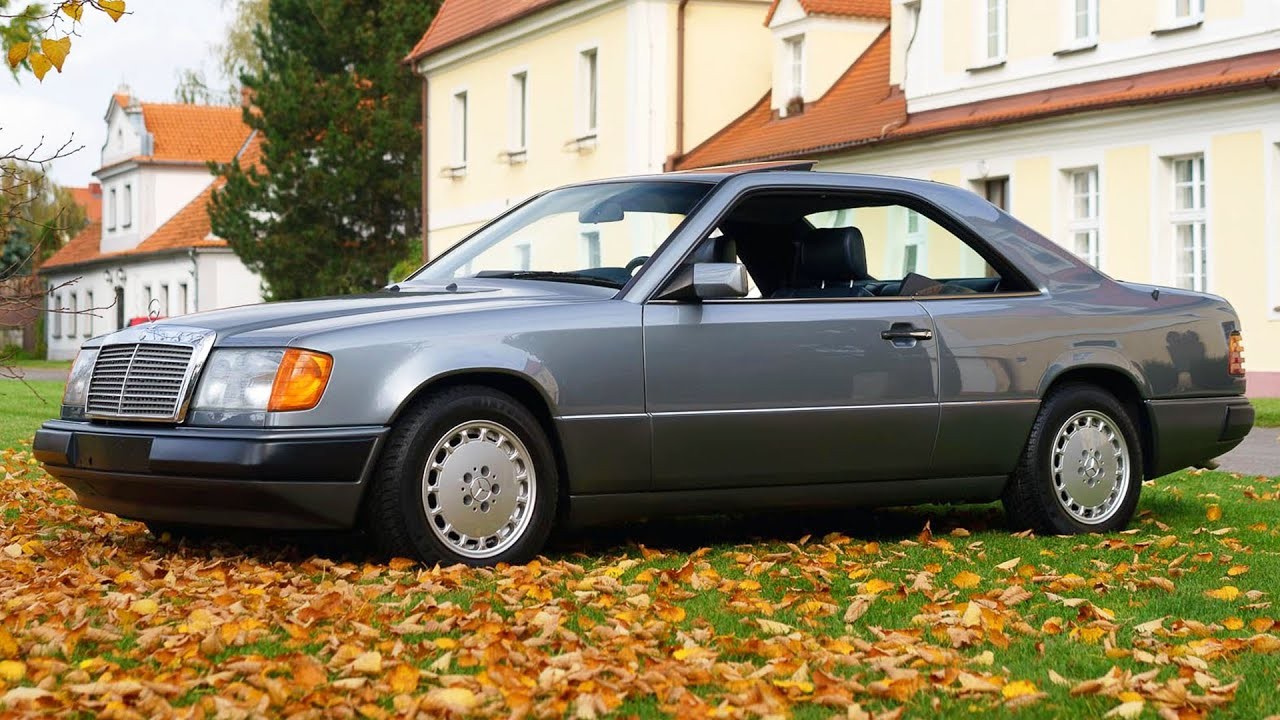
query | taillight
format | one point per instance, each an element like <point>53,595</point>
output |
<point>1235,354</point>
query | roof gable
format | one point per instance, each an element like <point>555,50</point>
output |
<point>877,9</point>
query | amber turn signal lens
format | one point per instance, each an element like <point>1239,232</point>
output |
<point>300,380</point>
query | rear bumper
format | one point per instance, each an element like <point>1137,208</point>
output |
<point>1192,431</point>
<point>281,479</point>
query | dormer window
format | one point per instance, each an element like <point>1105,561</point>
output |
<point>794,54</point>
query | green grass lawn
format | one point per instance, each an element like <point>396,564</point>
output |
<point>1268,411</point>
<point>940,611</point>
<point>23,406</point>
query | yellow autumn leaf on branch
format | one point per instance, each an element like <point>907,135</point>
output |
<point>39,65</point>
<point>56,50</point>
<point>114,8</point>
<point>18,52</point>
<point>73,9</point>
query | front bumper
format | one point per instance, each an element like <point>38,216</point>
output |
<point>280,479</point>
<point>1193,431</point>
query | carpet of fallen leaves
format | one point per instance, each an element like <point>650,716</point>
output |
<point>1171,619</point>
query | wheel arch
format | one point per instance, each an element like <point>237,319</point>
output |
<point>1123,386</point>
<point>527,391</point>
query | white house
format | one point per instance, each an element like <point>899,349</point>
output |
<point>153,248</point>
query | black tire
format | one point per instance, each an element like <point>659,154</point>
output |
<point>1031,500</point>
<point>394,513</point>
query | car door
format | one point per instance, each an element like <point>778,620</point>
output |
<point>745,394</point>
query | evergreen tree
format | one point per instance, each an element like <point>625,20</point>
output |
<point>334,202</point>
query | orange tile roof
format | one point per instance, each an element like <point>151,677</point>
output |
<point>843,8</point>
<point>861,104</point>
<point>459,20</point>
<point>194,133</point>
<point>862,108</point>
<point>89,198</point>
<point>81,248</point>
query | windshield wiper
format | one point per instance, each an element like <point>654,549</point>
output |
<point>569,277</point>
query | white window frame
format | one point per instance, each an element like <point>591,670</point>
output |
<point>794,52</point>
<point>184,297</point>
<point>73,314</point>
<point>1196,217</point>
<point>518,140</point>
<point>1089,224</point>
<point>1090,38</point>
<point>111,209</point>
<point>587,238</point>
<point>914,239</point>
<point>1194,11</point>
<point>589,92</point>
<point>1180,15</point>
<point>127,219</point>
<point>1000,10</point>
<point>88,313</point>
<point>460,110</point>
<point>164,299</point>
<point>56,330</point>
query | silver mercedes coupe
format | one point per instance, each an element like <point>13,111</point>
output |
<point>710,342</point>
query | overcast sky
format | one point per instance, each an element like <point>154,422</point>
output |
<point>145,50</point>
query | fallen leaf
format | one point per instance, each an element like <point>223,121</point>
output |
<point>966,579</point>
<point>458,700</point>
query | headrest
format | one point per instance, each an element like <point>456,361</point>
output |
<point>834,254</point>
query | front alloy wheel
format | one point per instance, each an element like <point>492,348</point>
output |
<point>467,476</point>
<point>479,488</point>
<point>1082,467</point>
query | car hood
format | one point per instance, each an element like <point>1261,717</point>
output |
<point>253,324</point>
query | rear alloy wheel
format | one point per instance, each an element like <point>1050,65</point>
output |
<point>1082,468</point>
<point>468,476</point>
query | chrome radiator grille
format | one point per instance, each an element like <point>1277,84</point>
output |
<point>142,381</point>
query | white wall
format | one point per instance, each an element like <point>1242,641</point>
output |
<point>223,282</point>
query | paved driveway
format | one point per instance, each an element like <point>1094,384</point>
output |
<point>41,374</point>
<point>1259,454</point>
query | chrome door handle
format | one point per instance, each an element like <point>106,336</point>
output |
<point>907,333</point>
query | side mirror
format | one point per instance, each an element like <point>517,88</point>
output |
<point>707,281</point>
<point>717,281</point>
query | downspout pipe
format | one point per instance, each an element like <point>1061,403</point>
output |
<point>426,176</point>
<point>680,62</point>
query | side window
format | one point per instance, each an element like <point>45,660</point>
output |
<point>814,245</point>
<point>899,241</point>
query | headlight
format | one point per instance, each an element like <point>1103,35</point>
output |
<point>258,380</point>
<point>77,392</point>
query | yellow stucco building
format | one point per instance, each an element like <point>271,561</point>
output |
<point>1142,134</point>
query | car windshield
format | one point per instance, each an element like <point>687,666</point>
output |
<point>594,234</point>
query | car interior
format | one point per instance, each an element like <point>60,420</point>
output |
<point>811,246</point>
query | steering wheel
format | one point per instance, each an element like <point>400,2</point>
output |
<point>636,262</point>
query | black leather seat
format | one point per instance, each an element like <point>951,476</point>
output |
<point>830,262</point>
